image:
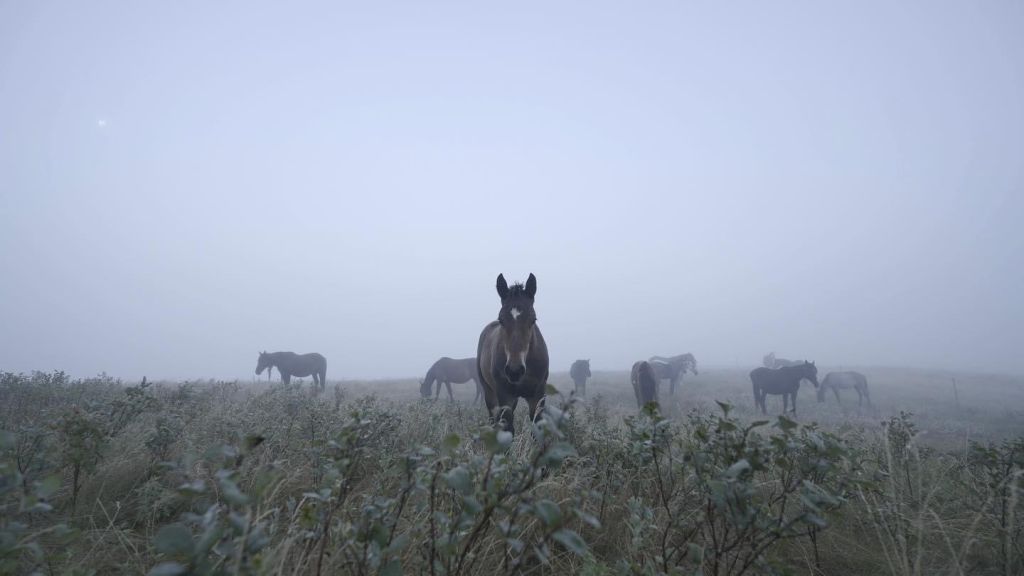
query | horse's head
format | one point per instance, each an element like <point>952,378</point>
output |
<point>769,360</point>
<point>809,371</point>
<point>263,363</point>
<point>586,367</point>
<point>517,320</point>
<point>424,389</point>
<point>692,362</point>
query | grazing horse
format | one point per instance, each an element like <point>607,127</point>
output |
<point>673,368</point>
<point>579,372</point>
<point>512,358</point>
<point>447,370</point>
<point>784,381</point>
<point>645,383</point>
<point>290,364</point>
<point>770,361</point>
<point>845,381</point>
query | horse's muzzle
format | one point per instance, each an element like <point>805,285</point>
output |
<point>515,373</point>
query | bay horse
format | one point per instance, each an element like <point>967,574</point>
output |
<point>447,370</point>
<point>579,372</point>
<point>290,364</point>
<point>645,383</point>
<point>784,381</point>
<point>673,368</point>
<point>512,357</point>
<point>845,381</point>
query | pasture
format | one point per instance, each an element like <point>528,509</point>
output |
<point>107,477</point>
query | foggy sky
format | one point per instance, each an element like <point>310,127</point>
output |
<point>183,184</point>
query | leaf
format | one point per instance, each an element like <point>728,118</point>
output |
<point>496,441</point>
<point>174,540</point>
<point>471,505</point>
<point>230,491</point>
<point>571,541</point>
<point>253,440</point>
<point>458,479</point>
<point>786,424</point>
<point>209,537</point>
<point>737,469</point>
<point>167,569</point>
<point>757,424</point>
<point>551,390</point>
<point>392,568</point>
<point>725,406</point>
<point>398,544</point>
<point>548,512</point>
<point>816,520</point>
<point>451,442</point>
<point>589,519</point>
<point>48,486</point>
<point>504,439</point>
<point>193,487</point>
<point>559,451</point>
<point>7,439</point>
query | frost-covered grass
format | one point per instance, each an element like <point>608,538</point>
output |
<point>108,477</point>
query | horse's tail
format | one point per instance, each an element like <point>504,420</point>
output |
<point>757,390</point>
<point>648,383</point>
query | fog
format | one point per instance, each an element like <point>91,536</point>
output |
<point>185,184</point>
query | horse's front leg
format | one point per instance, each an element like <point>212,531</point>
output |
<point>506,411</point>
<point>794,402</point>
<point>448,386</point>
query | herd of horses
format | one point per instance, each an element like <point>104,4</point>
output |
<point>511,362</point>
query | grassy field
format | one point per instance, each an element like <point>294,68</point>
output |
<point>102,476</point>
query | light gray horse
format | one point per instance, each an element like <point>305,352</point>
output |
<point>845,381</point>
<point>770,361</point>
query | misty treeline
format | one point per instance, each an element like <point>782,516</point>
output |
<point>98,476</point>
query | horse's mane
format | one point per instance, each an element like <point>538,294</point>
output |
<point>517,289</point>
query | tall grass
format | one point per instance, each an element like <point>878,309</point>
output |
<point>101,476</point>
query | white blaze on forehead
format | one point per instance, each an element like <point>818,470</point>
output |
<point>515,313</point>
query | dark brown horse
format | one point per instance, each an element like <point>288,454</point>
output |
<point>512,358</point>
<point>845,381</point>
<point>673,368</point>
<point>579,372</point>
<point>290,364</point>
<point>784,381</point>
<point>447,370</point>
<point>645,383</point>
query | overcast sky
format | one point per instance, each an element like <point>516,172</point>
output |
<point>183,184</point>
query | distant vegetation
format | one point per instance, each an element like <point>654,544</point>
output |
<point>99,477</point>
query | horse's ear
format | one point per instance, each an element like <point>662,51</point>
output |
<point>502,287</point>
<point>531,285</point>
